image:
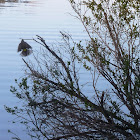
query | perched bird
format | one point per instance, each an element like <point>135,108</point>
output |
<point>25,48</point>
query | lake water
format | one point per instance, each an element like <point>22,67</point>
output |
<point>25,19</point>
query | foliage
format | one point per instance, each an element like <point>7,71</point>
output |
<point>56,107</point>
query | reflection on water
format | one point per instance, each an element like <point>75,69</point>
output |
<point>15,1</point>
<point>7,3</point>
<point>3,1</point>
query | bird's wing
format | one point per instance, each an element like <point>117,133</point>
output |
<point>19,47</point>
<point>26,45</point>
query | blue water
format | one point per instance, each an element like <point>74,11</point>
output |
<point>25,19</point>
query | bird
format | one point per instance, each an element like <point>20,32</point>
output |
<point>24,48</point>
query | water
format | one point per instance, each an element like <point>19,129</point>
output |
<point>25,19</point>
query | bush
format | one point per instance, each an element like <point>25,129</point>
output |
<point>55,105</point>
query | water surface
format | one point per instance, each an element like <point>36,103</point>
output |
<point>25,19</point>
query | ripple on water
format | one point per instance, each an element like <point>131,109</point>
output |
<point>25,19</point>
